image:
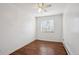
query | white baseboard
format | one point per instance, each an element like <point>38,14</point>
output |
<point>66,48</point>
<point>20,47</point>
<point>51,40</point>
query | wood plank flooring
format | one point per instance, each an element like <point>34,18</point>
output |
<point>39,47</point>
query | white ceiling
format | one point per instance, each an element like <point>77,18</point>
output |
<point>30,8</point>
<point>55,8</point>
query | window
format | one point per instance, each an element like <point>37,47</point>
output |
<point>47,26</point>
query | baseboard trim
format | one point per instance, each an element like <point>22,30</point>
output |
<point>49,40</point>
<point>21,46</point>
<point>66,48</point>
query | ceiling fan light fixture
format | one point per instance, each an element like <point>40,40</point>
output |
<point>42,6</point>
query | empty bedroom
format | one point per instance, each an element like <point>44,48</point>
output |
<point>39,28</point>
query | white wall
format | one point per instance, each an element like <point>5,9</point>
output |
<point>16,27</point>
<point>56,35</point>
<point>70,28</point>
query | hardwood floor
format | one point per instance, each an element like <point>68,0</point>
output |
<point>39,47</point>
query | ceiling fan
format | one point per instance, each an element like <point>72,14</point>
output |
<point>42,6</point>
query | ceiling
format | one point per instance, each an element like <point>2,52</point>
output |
<point>55,8</point>
<point>30,8</point>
